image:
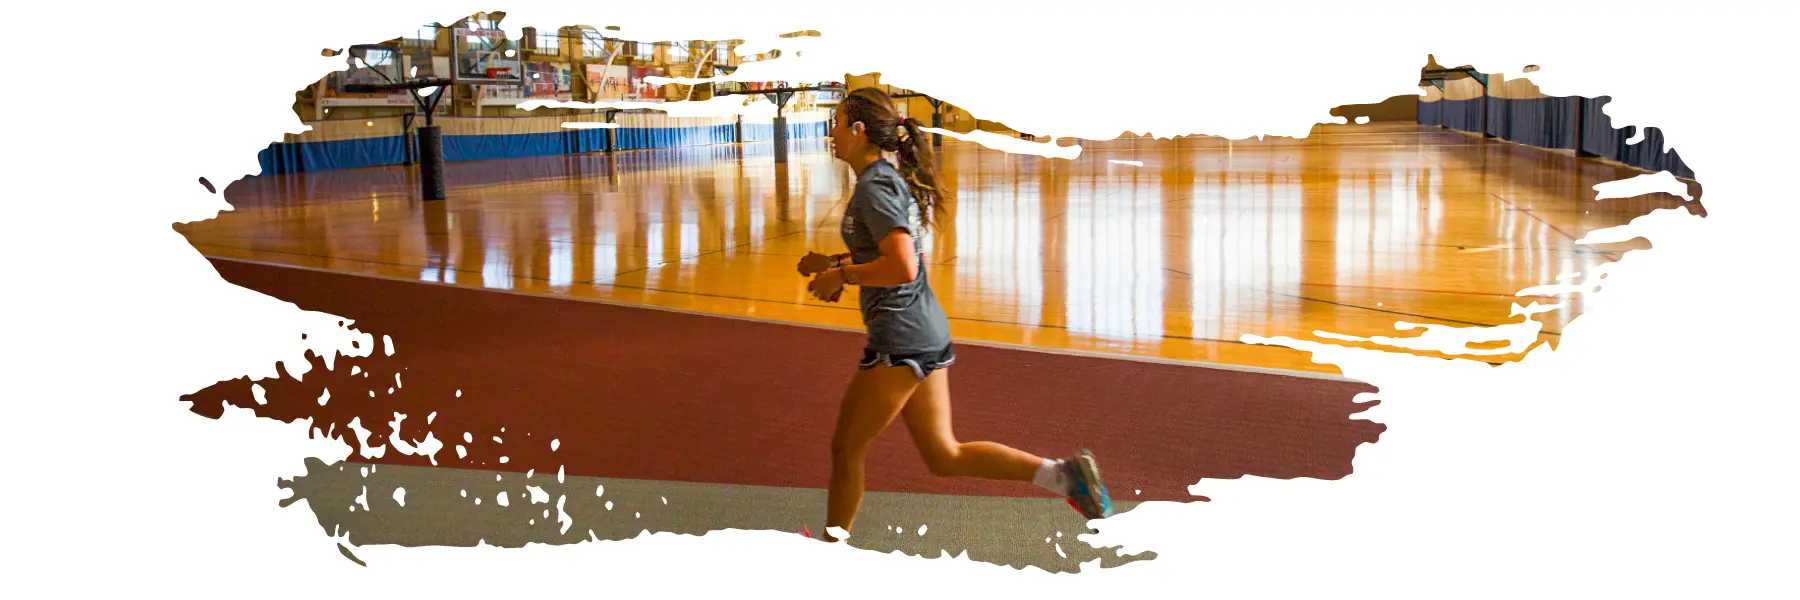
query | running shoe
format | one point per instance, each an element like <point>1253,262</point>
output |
<point>1087,493</point>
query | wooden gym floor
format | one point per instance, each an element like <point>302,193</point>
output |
<point>1346,231</point>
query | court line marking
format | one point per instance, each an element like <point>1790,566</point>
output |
<point>1427,291</point>
<point>1552,226</point>
<point>1416,315</point>
<point>768,321</point>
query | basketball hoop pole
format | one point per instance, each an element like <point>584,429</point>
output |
<point>431,149</point>
<point>431,142</point>
<point>431,146</point>
<point>612,133</point>
<point>780,97</point>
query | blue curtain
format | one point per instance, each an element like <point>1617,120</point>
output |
<point>582,141</point>
<point>765,132</point>
<point>639,138</point>
<point>1496,117</point>
<point>326,156</point>
<point>1673,164</point>
<point>1598,136</point>
<point>1431,113</point>
<point>1463,115</point>
<point>1560,123</point>
<point>462,148</point>
<point>1542,122</point>
<point>283,158</point>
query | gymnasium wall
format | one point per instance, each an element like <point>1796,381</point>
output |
<point>1398,109</point>
<point>374,142</point>
<point>1518,112</point>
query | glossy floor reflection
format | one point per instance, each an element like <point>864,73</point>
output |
<point>1346,231</point>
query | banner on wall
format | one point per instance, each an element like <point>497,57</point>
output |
<point>542,81</point>
<point>622,83</point>
<point>646,90</point>
<point>548,81</point>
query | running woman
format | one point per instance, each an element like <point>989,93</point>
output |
<point>905,367</point>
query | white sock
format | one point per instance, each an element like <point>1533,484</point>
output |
<point>1050,476</point>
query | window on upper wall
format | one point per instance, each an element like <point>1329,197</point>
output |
<point>722,54</point>
<point>425,37</point>
<point>549,43</point>
<point>594,45</point>
<point>646,51</point>
<point>678,53</point>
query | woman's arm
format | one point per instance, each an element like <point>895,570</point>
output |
<point>814,263</point>
<point>898,264</point>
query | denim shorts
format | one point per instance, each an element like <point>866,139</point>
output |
<point>922,363</point>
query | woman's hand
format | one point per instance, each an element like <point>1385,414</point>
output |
<point>828,286</point>
<point>814,263</point>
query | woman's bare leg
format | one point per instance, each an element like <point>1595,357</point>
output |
<point>874,398</point>
<point>927,416</point>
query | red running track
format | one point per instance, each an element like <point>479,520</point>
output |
<point>648,394</point>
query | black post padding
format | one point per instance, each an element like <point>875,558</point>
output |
<point>937,122</point>
<point>1581,126</point>
<point>1484,114</point>
<point>612,133</point>
<point>781,140</point>
<point>431,163</point>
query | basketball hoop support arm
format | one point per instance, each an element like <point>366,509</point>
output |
<point>1437,77</point>
<point>937,115</point>
<point>431,143</point>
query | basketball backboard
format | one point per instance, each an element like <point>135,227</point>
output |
<point>484,57</point>
<point>369,64</point>
<point>366,64</point>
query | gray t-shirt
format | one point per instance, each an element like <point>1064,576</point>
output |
<point>906,318</point>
